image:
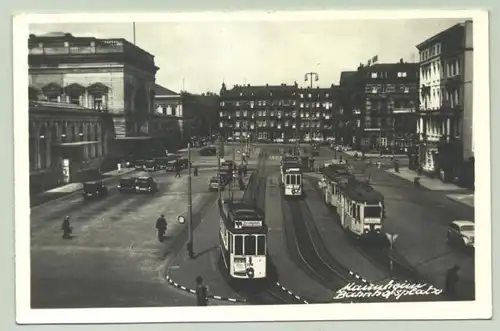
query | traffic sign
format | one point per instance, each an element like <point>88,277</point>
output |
<point>392,237</point>
<point>181,219</point>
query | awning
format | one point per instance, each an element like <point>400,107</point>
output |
<point>78,143</point>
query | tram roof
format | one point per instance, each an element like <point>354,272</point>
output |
<point>336,171</point>
<point>239,210</point>
<point>361,192</point>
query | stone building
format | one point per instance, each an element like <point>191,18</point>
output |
<point>382,102</point>
<point>278,112</point>
<point>445,122</point>
<point>108,80</point>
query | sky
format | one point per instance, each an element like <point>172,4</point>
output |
<point>198,56</point>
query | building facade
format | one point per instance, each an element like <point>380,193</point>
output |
<point>67,143</point>
<point>109,76</point>
<point>169,104</point>
<point>445,122</point>
<point>380,104</point>
<point>282,113</point>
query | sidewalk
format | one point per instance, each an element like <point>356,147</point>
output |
<point>462,195</point>
<point>373,155</point>
<point>66,190</point>
<point>182,271</point>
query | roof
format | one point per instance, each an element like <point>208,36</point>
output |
<point>361,192</point>
<point>463,222</point>
<point>161,91</point>
<point>440,35</point>
<point>345,75</point>
<point>392,66</point>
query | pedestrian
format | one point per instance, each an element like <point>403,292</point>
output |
<point>396,166</point>
<point>66,228</point>
<point>245,170</point>
<point>195,171</point>
<point>201,292</point>
<point>161,226</point>
<point>177,170</point>
<point>451,282</point>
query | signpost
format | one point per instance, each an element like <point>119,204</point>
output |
<point>392,238</point>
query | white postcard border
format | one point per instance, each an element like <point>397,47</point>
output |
<point>480,308</point>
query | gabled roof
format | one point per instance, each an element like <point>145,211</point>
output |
<point>160,90</point>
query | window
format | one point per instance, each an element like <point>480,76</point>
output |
<point>74,99</point>
<point>407,89</point>
<point>401,74</point>
<point>237,103</point>
<point>309,95</point>
<point>98,102</point>
<point>373,211</point>
<point>238,245</point>
<point>250,245</point>
<point>298,179</point>
<point>221,114</point>
<point>222,103</point>
<point>374,90</point>
<point>261,245</point>
<point>327,95</point>
<point>374,75</point>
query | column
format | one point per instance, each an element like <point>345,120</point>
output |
<point>48,146</point>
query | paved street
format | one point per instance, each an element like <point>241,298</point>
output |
<point>421,218</point>
<point>115,259</point>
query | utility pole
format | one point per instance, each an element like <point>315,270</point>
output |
<point>190,207</point>
<point>309,76</point>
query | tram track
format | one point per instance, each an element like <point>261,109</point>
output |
<point>377,254</point>
<point>309,248</point>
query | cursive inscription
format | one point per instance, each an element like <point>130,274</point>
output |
<point>392,289</point>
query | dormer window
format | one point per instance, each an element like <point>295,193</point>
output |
<point>98,93</point>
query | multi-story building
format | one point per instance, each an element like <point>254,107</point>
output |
<point>92,101</point>
<point>278,112</point>
<point>445,123</point>
<point>382,103</point>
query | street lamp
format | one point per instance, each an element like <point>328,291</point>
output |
<point>392,238</point>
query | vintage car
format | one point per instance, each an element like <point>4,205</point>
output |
<point>146,185</point>
<point>461,233</point>
<point>213,184</point>
<point>127,184</point>
<point>95,189</point>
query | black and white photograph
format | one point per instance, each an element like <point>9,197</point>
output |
<point>252,166</point>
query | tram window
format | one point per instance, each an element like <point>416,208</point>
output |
<point>250,245</point>
<point>238,245</point>
<point>287,179</point>
<point>358,211</point>
<point>373,211</point>
<point>261,245</point>
<point>354,214</point>
<point>293,179</point>
<point>298,179</point>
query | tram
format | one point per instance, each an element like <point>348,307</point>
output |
<point>359,206</point>
<point>243,240</point>
<point>292,181</point>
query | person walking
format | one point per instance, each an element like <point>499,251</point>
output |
<point>66,228</point>
<point>177,170</point>
<point>161,226</point>
<point>201,292</point>
<point>451,282</point>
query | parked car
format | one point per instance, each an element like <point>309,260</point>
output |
<point>151,165</point>
<point>127,184</point>
<point>213,184</point>
<point>461,233</point>
<point>95,189</point>
<point>146,185</point>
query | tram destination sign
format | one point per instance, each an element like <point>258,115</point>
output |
<point>248,224</point>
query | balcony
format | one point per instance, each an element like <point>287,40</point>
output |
<point>407,110</point>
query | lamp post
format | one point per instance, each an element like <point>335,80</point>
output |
<point>190,207</point>
<point>392,238</point>
<point>309,77</point>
